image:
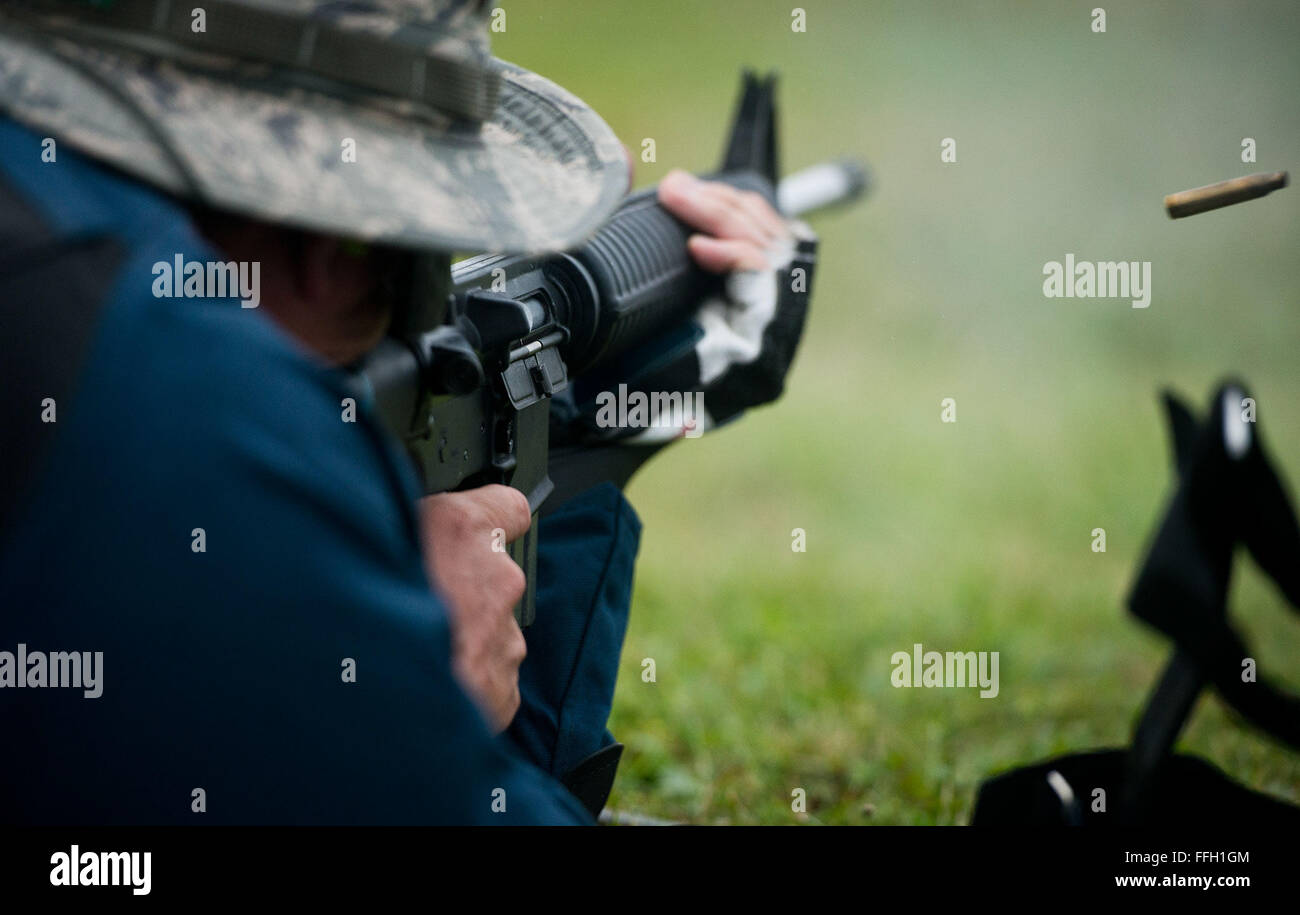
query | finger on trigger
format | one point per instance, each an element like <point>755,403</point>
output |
<point>507,508</point>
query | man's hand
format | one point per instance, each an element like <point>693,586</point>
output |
<point>747,334</point>
<point>481,587</point>
<point>739,229</point>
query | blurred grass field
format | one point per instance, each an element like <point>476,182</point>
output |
<point>772,666</point>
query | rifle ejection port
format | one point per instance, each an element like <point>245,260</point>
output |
<point>535,371</point>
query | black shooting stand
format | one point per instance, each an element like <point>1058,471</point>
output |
<point>1228,495</point>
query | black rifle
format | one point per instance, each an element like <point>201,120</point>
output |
<point>470,398</point>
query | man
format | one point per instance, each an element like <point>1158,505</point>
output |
<point>225,602</point>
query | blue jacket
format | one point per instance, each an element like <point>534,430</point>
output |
<point>223,670</point>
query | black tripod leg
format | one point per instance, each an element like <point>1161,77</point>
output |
<point>1162,721</point>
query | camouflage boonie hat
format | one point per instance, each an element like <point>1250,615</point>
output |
<point>383,120</point>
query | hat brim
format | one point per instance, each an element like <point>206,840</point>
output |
<point>541,174</point>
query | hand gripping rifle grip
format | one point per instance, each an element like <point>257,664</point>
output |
<point>644,276</point>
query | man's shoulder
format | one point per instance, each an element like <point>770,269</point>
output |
<point>73,194</point>
<point>168,382</point>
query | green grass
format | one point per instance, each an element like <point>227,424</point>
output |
<point>773,666</point>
